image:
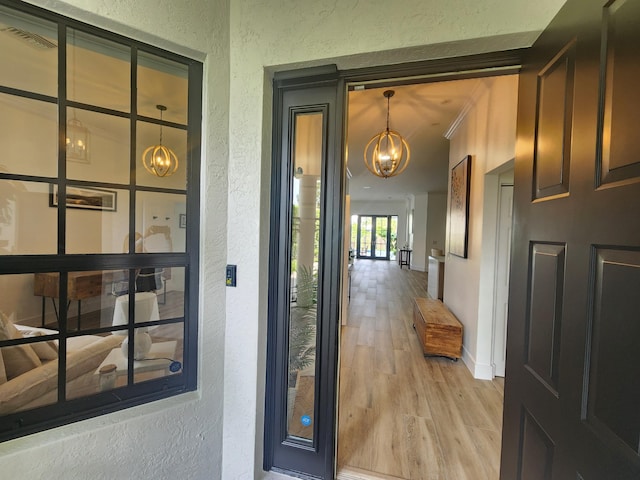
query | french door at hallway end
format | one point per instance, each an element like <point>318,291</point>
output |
<point>376,236</point>
<point>571,388</point>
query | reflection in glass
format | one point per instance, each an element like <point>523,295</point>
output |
<point>304,273</point>
<point>91,298</point>
<point>97,219</point>
<point>161,81</point>
<point>20,204</point>
<point>159,294</point>
<point>164,355</point>
<point>28,381</point>
<point>158,222</point>
<point>19,301</point>
<point>89,58</point>
<point>106,154</point>
<point>28,371</point>
<point>87,355</point>
<point>148,134</point>
<point>28,53</point>
<point>170,291</point>
<point>22,121</point>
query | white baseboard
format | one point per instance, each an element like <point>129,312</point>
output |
<point>418,269</point>
<point>479,371</point>
<point>483,372</point>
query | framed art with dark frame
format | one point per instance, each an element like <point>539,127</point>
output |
<point>459,218</point>
<point>86,198</point>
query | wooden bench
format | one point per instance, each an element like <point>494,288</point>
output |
<point>439,331</point>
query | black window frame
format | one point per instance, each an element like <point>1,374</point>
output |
<point>65,411</point>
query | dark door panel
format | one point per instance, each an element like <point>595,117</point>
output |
<point>570,395</point>
<point>304,273</point>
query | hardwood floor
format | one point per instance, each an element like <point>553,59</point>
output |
<point>401,415</point>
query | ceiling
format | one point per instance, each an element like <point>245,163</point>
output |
<point>422,114</point>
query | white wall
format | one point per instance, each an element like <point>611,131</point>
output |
<point>429,227</point>
<point>217,431</point>
<point>419,260</point>
<point>436,222</point>
<point>487,133</point>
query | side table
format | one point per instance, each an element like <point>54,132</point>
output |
<point>405,258</point>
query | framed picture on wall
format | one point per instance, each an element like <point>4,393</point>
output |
<point>86,198</point>
<point>459,218</point>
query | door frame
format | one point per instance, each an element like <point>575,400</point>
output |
<point>428,71</point>
<point>500,256</point>
<point>321,87</point>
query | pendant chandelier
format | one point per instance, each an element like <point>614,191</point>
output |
<point>77,140</point>
<point>387,153</point>
<point>77,135</point>
<point>158,159</point>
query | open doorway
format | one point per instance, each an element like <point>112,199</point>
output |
<point>400,413</point>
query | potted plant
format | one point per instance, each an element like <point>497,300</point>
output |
<point>302,324</point>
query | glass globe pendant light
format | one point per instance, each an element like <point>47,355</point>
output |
<point>387,154</point>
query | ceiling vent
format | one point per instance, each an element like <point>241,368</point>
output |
<point>33,39</point>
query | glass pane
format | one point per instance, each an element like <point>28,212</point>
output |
<point>28,53</point>
<point>161,222</point>
<point>170,291</point>
<point>366,228</point>
<point>19,301</point>
<point>304,273</point>
<point>90,364</point>
<point>97,219</point>
<point>97,147</point>
<point>167,283</point>
<point>28,372</point>
<point>381,237</point>
<point>91,298</point>
<point>150,135</point>
<point>354,232</point>
<point>162,81</point>
<point>26,381</point>
<point>20,204</point>
<point>393,248</point>
<point>88,59</point>
<point>163,347</point>
<point>104,301</point>
<point>29,136</point>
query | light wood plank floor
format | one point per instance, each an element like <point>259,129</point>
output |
<point>403,416</point>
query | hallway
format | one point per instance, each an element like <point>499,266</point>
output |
<point>403,416</point>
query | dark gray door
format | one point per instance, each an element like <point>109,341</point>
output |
<point>572,391</point>
<point>305,274</point>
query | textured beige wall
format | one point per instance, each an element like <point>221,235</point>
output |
<point>179,437</point>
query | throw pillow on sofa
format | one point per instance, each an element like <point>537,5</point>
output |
<point>18,359</point>
<point>46,351</point>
